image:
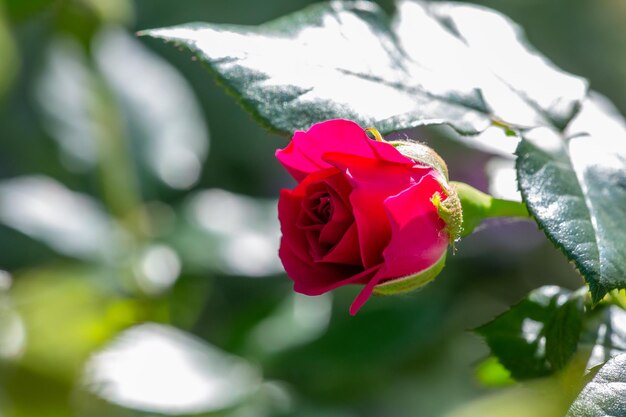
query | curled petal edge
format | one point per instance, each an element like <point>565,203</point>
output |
<point>411,282</point>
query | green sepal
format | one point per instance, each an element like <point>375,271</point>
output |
<point>475,205</point>
<point>411,282</point>
<point>450,211</point>
<point>422,154</point>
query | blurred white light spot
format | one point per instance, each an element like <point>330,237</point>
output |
<point>250,254</point>
<point>159,269</point>
<point>44,209</point>
<point>246,230</point>
<point>12,334</point>
<point>63,93</point>
<point>161,369</point>
<point>531,329</point>
<point>180,169</point>
<point>5,280</point>
<point>300,319</point>
<point>503,179</point>
<point>547,293</point>
<point>220,211</point>
<point>163,114</point>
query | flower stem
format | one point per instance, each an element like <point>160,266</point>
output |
<point>507,208</point>
<point>478,206</point>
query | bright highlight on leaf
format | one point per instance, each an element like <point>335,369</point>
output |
<point>347,60</point>
<point>539,335</point>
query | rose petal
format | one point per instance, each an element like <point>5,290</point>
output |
<point>389,153</point>
<point>339,221</point>
<point>289,206</point>
<point>365,293</point>
<point>346,251</point>
<point>297,163</point>
<point>304,154</point>
<point>317,278</point>
<point>373,181</point>
<point>418,239</point>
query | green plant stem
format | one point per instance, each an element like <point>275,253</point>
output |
<point>478,206</point>
<point>507,208</point>
<point>119,183</point>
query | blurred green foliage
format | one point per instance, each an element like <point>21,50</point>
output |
<point>101,234</point>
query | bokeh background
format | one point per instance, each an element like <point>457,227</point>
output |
<point>138,232</point>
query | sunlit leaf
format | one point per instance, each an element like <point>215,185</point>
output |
<point>539,335</point>
<point>434,63</point>
<point>160,369</point>
<point>155,109</point>
<point>65,93</point>
<point>162,114</point>
<point>69,222</point>
<point>491,373</point>
<point>604,334</point>
<point>575,187</point>
<point>605,394</point>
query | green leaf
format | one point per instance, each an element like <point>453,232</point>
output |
<point>604,334</point>
<point>144,101</point>
<point>605,394</point>
<point>491,373</point>
<point>575,187</point>
<point>539,335</point>
<point>432,63</point>
<point>152,361</point>
<point>73,224</point>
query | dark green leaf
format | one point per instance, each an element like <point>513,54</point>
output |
<point>575,187</point>
<point>430,64</point>
<point>604,334</point>
<point>605,394</point>
<point>539,335</point>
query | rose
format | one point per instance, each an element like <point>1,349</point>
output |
<point>362,213</point>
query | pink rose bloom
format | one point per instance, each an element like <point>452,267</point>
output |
<point>362,213</point>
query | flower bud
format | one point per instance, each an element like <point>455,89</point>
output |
<point>367,212</point>
<point>449,206</point>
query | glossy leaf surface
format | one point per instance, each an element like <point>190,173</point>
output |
<point>538,335</point>
<point>432,63</point>
<point>575,187</point>
<point>605,394</point>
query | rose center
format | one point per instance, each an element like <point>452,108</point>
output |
<point>319,208</point>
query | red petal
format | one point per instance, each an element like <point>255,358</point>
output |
<point>418,239</point>
<point>346,251</point>
<point>373,181</point>
<point>304,154</point>
<point>317,278</point>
